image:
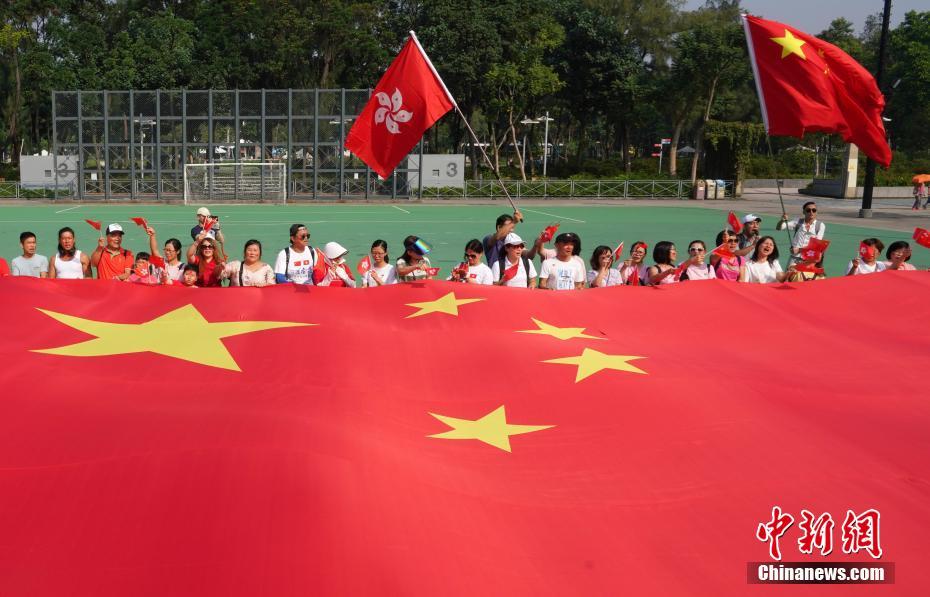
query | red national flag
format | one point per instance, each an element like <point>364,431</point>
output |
<point>157,261</point>
<point>866,251</point>
<point>922,237</point>
<point>208,224</point>
<point>140,222</point>
<point>618,252</point>
<point>723,251</point>
<point>549,233</point>
<point>806,84</point>
<point>363,265</point>
<point>817,244</point>
<point>94,224</point>
<point>633,280</point>
<point>408,99</point>
<point>511,272</point>
<point>808,267</point>
<point>601,462</point>
<point>734,223</point>
<point>433,271</point>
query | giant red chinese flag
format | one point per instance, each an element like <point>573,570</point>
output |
<point>808,85</point>
<point>455,439</point>
<point>409,98</point>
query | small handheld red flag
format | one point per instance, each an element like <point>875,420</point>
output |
<point>95,224</point>
<point>922,237</point>
<point>433,271</point>
<point>157,261</point>
<point>208,224</point>
<point>723,251</point>
<point>408,99</point>
<point>363,265</point>
<point>633,280</point>
<point>140,222</point>
<point>681,268</point>
<point>866,252</point>
<point>461,269</point>
<point>618,252</point>
<point>549,233</point>
<point>808,267</point>
<point>511,272</point>
<point>734,223</point>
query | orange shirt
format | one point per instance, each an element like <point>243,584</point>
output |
<point>111,265</point>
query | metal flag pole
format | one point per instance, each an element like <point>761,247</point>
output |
<point>484,154</point>
<point>768,141</point>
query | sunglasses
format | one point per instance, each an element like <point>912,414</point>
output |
<point>732,240</point>
<point>205,247</point>
<point>304,236</point>
<point>471,255</point>
<point>810,210</point>
<point>696,250</point>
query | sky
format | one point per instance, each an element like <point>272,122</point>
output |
<point>813,16</point>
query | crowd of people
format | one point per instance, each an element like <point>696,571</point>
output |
<point>502,258</point>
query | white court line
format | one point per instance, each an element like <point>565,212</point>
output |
<point>401,209</point>
<point>533,211</point>
<point>61,211</point>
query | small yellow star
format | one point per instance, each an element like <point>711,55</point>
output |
<point>560,333</point>
<point>591,361</point>
<point>447,304</point>
<point>790,45</point>
<point>492,429</point>
<point>181,334</point>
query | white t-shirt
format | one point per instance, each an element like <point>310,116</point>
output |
<point>520,279</point>
<point>865,268</point>
<point>702,271</point>
<point>299,267</point>
<point>612,278</point>
<point>762,273</point>
<point>480,274</point>
<point>562,275</point>
<point>386,272</point>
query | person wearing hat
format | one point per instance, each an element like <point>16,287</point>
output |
<point>563,272</point>
<point>413,265</point>
<point>338,272</point>
<point>513,268</point>
<point>297,262</point>
<point>203,214</point>
<point>749,235</point>
<point>111,260</point>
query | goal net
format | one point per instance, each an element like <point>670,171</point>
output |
<point>235,181</point>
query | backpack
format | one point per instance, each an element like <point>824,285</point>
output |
<point>526,267</point>
<point>287,261</point>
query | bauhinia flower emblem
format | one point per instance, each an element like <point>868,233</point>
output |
<point>390,112</point>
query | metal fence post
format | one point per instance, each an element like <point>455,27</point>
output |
<point>132,145</point>
<point>290,143</point>
<point>316,138</point>
<point>342,141</point>
<point>80,156</point>
<point>156,134</point>
<point>54,145</point>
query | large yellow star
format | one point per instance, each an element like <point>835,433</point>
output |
<point>447,304</point>
<point>790,45</point>
<point>492,429</point>
<point>182,334</point>
<point>560,333</point>
<point>591,361</point>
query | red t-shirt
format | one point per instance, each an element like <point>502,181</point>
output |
<point>209,272</point>
<point>4,268</point>
<point>111,265</point>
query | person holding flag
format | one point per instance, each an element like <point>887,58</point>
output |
<point>634,271</point>
<point>727,264</point>
<point>601,273</point>
<point>698,268</point>
<point>565,271</point>
<point>207,222</point>
<point>112,261</point>
<point>494,243</point>
<point>69,263</point>
<point>867,261</point>
<point>763,267</point>
<point>513,268</point>
<point>144,273</point>
<point>381,272</point>
<point>413,265</point>
<point>899,253</point>
<point>472,270</point>
<point>805,228</point>
<point>206,254</point>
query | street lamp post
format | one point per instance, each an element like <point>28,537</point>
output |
<point>545,119</point>
<point>526,122</point>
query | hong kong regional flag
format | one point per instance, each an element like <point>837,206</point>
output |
<point>409,98</point>
<point>806,84</point>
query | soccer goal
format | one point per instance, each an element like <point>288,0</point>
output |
<point>235,181</point>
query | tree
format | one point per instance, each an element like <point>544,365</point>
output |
<point>909,103</point>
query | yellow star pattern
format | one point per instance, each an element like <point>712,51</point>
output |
<point>790,45</point>
<point>181,334</point>
<point>560,333</point>
<point>591,361</point>
<point>447,304</point>
<point>492,429</point>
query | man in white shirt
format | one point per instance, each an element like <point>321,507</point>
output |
<point>563,272</point>
<point>295,263</point>
<point>804,228</point>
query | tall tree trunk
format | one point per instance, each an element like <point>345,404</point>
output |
<point>699,146</point>
<point>15,108</point>
<point>673,148</point>
<point>516,148</point>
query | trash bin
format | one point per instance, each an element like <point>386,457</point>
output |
<point>721,189</point>
<point>699,191</point>
<point>711,186</point>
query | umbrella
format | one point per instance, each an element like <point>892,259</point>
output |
<point>919,178</point>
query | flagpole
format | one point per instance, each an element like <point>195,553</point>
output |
<point>768,141</point>
<point>487,160</point>
<point>865,211</point>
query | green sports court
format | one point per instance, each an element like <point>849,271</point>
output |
<point>447,226</point>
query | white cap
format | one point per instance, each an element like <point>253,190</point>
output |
<point>114,228</point>
<point>334,250</point>
<point>203,211</point>
<point>751,218</point>
<point>513,239</point>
